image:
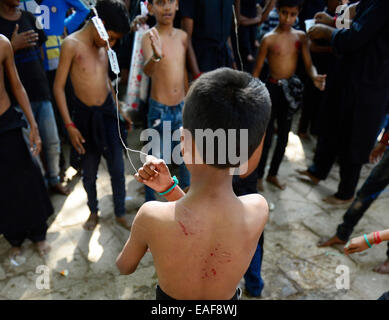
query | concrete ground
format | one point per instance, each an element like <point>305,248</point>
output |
<point>293,267</point>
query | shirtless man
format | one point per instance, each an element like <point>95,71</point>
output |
<point>282,47</point>
<point>24,207</point>
<point>164,49</point>
<point>203,242</point>
<point>84,57</point>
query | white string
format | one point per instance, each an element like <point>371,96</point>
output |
<point>237,37</point>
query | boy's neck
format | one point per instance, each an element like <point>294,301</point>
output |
<point>209,182</point>
<point>8,11</point>
<point>88,32</point>
<point>282,29</point>
<point>164,28</point>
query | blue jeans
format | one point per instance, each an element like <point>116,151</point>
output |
<point>375,184</point>
<point>115,163</point>
<point>44,116</point>
<point>157,116</point>
<point>253,279</point>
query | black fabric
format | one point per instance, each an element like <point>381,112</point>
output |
<point>28,61</point>
<point>10,120</point>
<point>212,25</point>
<point>359,105</point>
<point>24,201</point>
<point>248,8</point>
<point>160,295</point>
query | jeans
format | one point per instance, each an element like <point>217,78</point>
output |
<point>44,116</point>
<point>280,113</point>
<point>114,156</point>
<point>371,189</point>
<point>159,116</point>
<point>253,280</point>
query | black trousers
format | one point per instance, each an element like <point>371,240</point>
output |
<point>325,157</point>
<point>35,234</point>
<point>280,113</point>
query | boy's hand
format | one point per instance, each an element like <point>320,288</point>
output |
<point>24,39</point>
<point>356,245</point>
<point>137,22</point>
<point>324,18</point>
<point>76,139</point>
<point>35,141</point>
<point>320,31</point>
<point>156,43</point>
<point>377,152</point>
<point>154,174</point>
<point>320,82</point>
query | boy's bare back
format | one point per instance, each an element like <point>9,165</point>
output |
<point>88,69</point>
<point>202,247</point>
<point>168,78</point>
<point>283,49</point>
<point>4,51</point>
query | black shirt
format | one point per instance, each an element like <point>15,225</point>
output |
<point>248,8</point>
<point>28,61</point>
<point>212,19</point>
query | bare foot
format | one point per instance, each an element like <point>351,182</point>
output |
<point>330,242</point>
<point>14,252</point>
<point>383,268</point>
<point>260,185</point>
<point>274,181</point>
<point>60,189</point>
<point>124,223</point>
<point>42,247</point>
<point>336,201</point>
<point>314,180</point>
<point>92,222</point>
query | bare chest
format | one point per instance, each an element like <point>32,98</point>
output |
<point>283,48</point>
<point>90,62</point>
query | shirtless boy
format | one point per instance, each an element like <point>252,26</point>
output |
<point>94,131</point>
<point>203,242</point>
<point>282,47</point>
<point>164,48</point>
<point>24,201</point>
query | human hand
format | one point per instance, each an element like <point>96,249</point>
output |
<point>320,81</point>
<point>76,139</point>
<point>24,39</point>
<point>324,18</point>
<point>320,31</point>
<point>154,174</point>
<point>35,141</point>
<point>137,22</point>
<point>156,43</point>
<point>377,152</point>
<point>356,245</point>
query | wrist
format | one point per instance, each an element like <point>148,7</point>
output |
<point>70,125</point>
<point>170,188</point>
<point>156,58</point>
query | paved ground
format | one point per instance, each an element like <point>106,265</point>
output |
<point>293,267</point>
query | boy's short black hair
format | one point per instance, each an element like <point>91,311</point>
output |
<point>289,3</point>
<point>114,14</point>
<point>228,99</point>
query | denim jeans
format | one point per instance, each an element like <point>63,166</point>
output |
<point>115,163</point>
<point>44,116</point>
<point>371,189</point>
<point>159,115</point>
<point>253,279</point>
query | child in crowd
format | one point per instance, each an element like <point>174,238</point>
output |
<point>282,48</point>
<point>94,132</point>
<point>164,48</point>
<point>209,235</point>
<point>24,202</point>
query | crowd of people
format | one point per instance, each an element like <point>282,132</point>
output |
<point>221,64</point>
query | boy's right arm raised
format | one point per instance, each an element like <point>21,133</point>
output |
<point>65,62</point>
<point>152,50</point>
<point>262,54</point>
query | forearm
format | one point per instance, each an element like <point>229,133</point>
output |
<point>60,98</point>
<point>268,7</point>
<point>22,99</point>
<point>383,235</point>
<point>312,72</point>
<point>149,67</point>
<point>192,60</point>
<point>245,21</point>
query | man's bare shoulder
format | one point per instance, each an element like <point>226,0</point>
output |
<point>155,210</point>
<point>256,206</point>
<point>5,47</point>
